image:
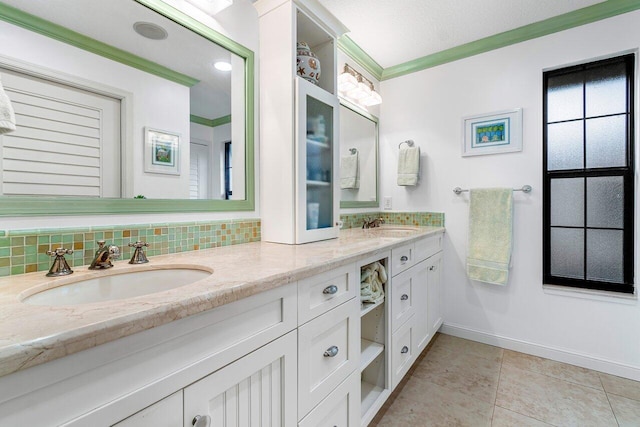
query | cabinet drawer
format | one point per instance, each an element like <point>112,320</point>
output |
<point>427,247</point>
<point>322,292</point>
<point>340,408</point>
<point>401,258</point>
<point>328,352</point>
<point>402,353</point>
<point>403,288</point>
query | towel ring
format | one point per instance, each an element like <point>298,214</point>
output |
<point>353,150</point>
<point>409,142</point>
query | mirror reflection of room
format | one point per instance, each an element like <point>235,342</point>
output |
<point>358,155</point>
<point>83,120</point>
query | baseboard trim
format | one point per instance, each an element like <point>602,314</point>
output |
<point>560,355</point>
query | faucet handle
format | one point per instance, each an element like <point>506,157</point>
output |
<point>138,256</point>
<point>60,267</point>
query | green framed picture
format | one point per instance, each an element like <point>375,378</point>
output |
<point>161,151</point>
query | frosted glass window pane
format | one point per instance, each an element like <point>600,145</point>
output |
<point>606,90</point>
<point>604,255</point>
<point>605,202</point>
<point>565,97</point>
<point>567,202</point>
<point>606,142</point>
<point>565,146</point>
<point>567,253</point>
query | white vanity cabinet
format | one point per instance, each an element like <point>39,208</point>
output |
<point>299,127</point>
<point>416,301</point>
<point>241,344</point>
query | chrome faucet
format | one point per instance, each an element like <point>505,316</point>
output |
<point>104,255</point>
<point>60,267</point>
<point>138,256</point>
<point>372,223</point>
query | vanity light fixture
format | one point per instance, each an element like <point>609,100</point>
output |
<point>357,88</point>
<point>222,66</point>
<point>150,30</point>
<point>211,7</point>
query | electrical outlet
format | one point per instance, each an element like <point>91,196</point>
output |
<point>387,203</point>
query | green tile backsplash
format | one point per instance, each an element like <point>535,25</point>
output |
<point>24,251</point>
<point>435,219</point>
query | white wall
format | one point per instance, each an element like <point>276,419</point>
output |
<point>427,106</point>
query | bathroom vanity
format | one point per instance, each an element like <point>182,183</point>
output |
<point>271,337</point>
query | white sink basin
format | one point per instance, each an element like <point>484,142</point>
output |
<point>117,286</point>
<point>394,230</point>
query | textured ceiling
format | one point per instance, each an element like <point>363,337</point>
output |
<point>396,31</point>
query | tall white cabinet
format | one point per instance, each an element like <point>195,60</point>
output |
<point>299,127</point>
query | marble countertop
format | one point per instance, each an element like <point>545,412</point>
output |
<point>35,334</point>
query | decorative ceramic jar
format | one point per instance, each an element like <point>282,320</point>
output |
<point>307,63</point>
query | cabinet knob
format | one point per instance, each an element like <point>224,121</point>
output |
<point>330,290</point>
<point>404,297</point>
<point>331,351</point>
<point>201,421</point>
<point>404,258</point>
<point>433,268</point>
<point>404,350</point>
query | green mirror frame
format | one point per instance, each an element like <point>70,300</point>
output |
<point>367,203</point>
<point>38,206</point>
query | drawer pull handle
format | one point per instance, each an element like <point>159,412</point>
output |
<point>330,290</point>
<point>201,421</point>
<point>404,350</point>
<point>404,297</point>
<point>433,268</point>
<point>331,351</point>
<point>404,258</point>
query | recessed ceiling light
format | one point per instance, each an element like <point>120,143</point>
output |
<point>211,6</point>
<point>222,66</point>
<point>150,30</point>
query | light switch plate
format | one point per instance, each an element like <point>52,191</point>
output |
<point>387,203</point>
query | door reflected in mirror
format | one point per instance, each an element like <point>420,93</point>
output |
<point>82,105</point>
<point>358,157</point>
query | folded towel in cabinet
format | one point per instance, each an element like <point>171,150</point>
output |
<point>350,171</point>
<point>7,115</point>
<point>490,235</point>
<point>409,166</point>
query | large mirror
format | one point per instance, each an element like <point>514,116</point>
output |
<point>123,106</point>
<point>358,157</point>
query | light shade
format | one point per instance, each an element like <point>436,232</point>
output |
<point>222,66</point>
<point>211,7</point>
<point>373,99</point>
<point>346,82</point>
<point>357,88</point>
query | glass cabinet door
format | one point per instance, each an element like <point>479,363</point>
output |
<point>318,151</point>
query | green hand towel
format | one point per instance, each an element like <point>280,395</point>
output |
<point>490,235</point>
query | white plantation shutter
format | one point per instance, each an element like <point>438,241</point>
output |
<point>67,141</point>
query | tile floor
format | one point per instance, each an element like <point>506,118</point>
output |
<point>465,383</point>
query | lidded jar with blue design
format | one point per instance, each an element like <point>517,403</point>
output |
<point>307,63</point>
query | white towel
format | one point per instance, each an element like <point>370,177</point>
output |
<point>350,171</point>
<point>409,166</point>
<point>7,116</point>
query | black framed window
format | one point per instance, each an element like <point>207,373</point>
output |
<point>588,175</point>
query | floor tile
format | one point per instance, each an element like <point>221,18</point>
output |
<point>449,344</point>
<point>552,400</point>
<point>423,403</point>
<point>474,376</point>
<point>620,386</point>
<point>627,411</point>
<point>562,371</point>
<point>506,418</point>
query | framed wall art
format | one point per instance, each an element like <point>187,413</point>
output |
<point>492,133</point>
<point>161,151</point>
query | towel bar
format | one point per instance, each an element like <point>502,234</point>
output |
<point>524,189</point>
<point>409,142</point>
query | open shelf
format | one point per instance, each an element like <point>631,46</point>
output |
<point>369,350</point>
<point>370,395</point>
<point>368,306</point>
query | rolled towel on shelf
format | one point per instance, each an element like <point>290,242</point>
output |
<point>350,171</point>
<point>7,115</point>
<point>408,166</point>
<point>372,279</point>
